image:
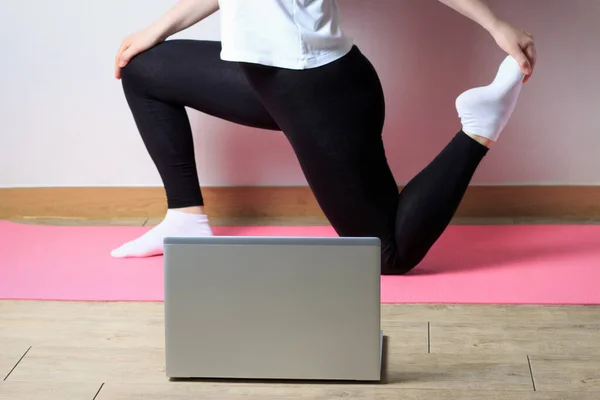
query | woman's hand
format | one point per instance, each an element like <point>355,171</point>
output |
<point>517,43</point>
<point>181,16</point>
<point>133,45</point>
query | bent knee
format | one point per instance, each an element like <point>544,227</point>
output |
<point>143,69</point>
<point>395,262</point>
<point>135,73</point>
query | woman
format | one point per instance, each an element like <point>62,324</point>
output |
<point>287,65</point>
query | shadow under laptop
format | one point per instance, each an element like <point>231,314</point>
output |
<point>385,377</point>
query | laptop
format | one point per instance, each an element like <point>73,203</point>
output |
<point>285,308</point>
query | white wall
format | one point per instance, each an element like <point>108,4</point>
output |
<point>64,121</point>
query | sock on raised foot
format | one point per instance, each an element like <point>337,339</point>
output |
<point>485,111</point>
<point>175,224</point>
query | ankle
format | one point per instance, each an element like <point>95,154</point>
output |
<point>481,140</point>
<point>197,210</point>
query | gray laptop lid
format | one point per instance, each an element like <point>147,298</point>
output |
<point>273,308</point>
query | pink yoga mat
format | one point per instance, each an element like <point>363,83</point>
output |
<point>508,264</point>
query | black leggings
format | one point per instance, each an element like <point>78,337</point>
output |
<point>333,117</point>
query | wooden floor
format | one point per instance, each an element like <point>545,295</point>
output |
<point>114,351</point>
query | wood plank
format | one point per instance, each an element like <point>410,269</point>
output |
<point>459,371</point>
<point>11,351</point>
<point>483,221</point>
<point>258,221</point>
<point>82,221</point>
<point>85,331</point>
<point>405,337</point>
<point>67,309</point>
<point>87,364</point>
<point>48,390</point>
<point>71,343</point>
<point>490,313</point>
<point>149,202</point>
<point>555,221</point>
<point>146,365</point>
<point>100,331</point>
<point>195,390</point>
<point>522,338</point>
<point>566,373</point>
<point>389,312</point>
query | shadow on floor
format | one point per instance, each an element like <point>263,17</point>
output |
<point>384,376</point>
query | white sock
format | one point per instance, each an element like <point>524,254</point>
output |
<point>176,223</point>
<point>484,111</point>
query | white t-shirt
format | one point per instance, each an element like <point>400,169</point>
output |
<point>292,34</point>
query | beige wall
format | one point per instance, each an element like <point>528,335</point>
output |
<point>64,120</point>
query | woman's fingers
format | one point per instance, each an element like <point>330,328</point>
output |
<point>123,47</point>
<point>529,50</point>
<point>126,56</point>
<point>524,62</point>
<point>531,54</point>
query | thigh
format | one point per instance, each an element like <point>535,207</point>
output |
<point>333,116</point>
<point>191,73</point>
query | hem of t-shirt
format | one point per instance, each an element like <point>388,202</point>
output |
<point>287,63</point>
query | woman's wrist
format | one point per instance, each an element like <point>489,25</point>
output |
<point>183,15</point>
<point>162,29</point>
<point>492,24</point>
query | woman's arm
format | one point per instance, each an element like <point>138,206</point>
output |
<point>476,10</point>
<point>519,44</point>
<point>183,15</point>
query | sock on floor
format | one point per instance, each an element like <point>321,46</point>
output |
<point>484,111</point>
<point>175,224</point>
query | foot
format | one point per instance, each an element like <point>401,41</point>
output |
<point>175,224</point>
<point>485,111</point>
